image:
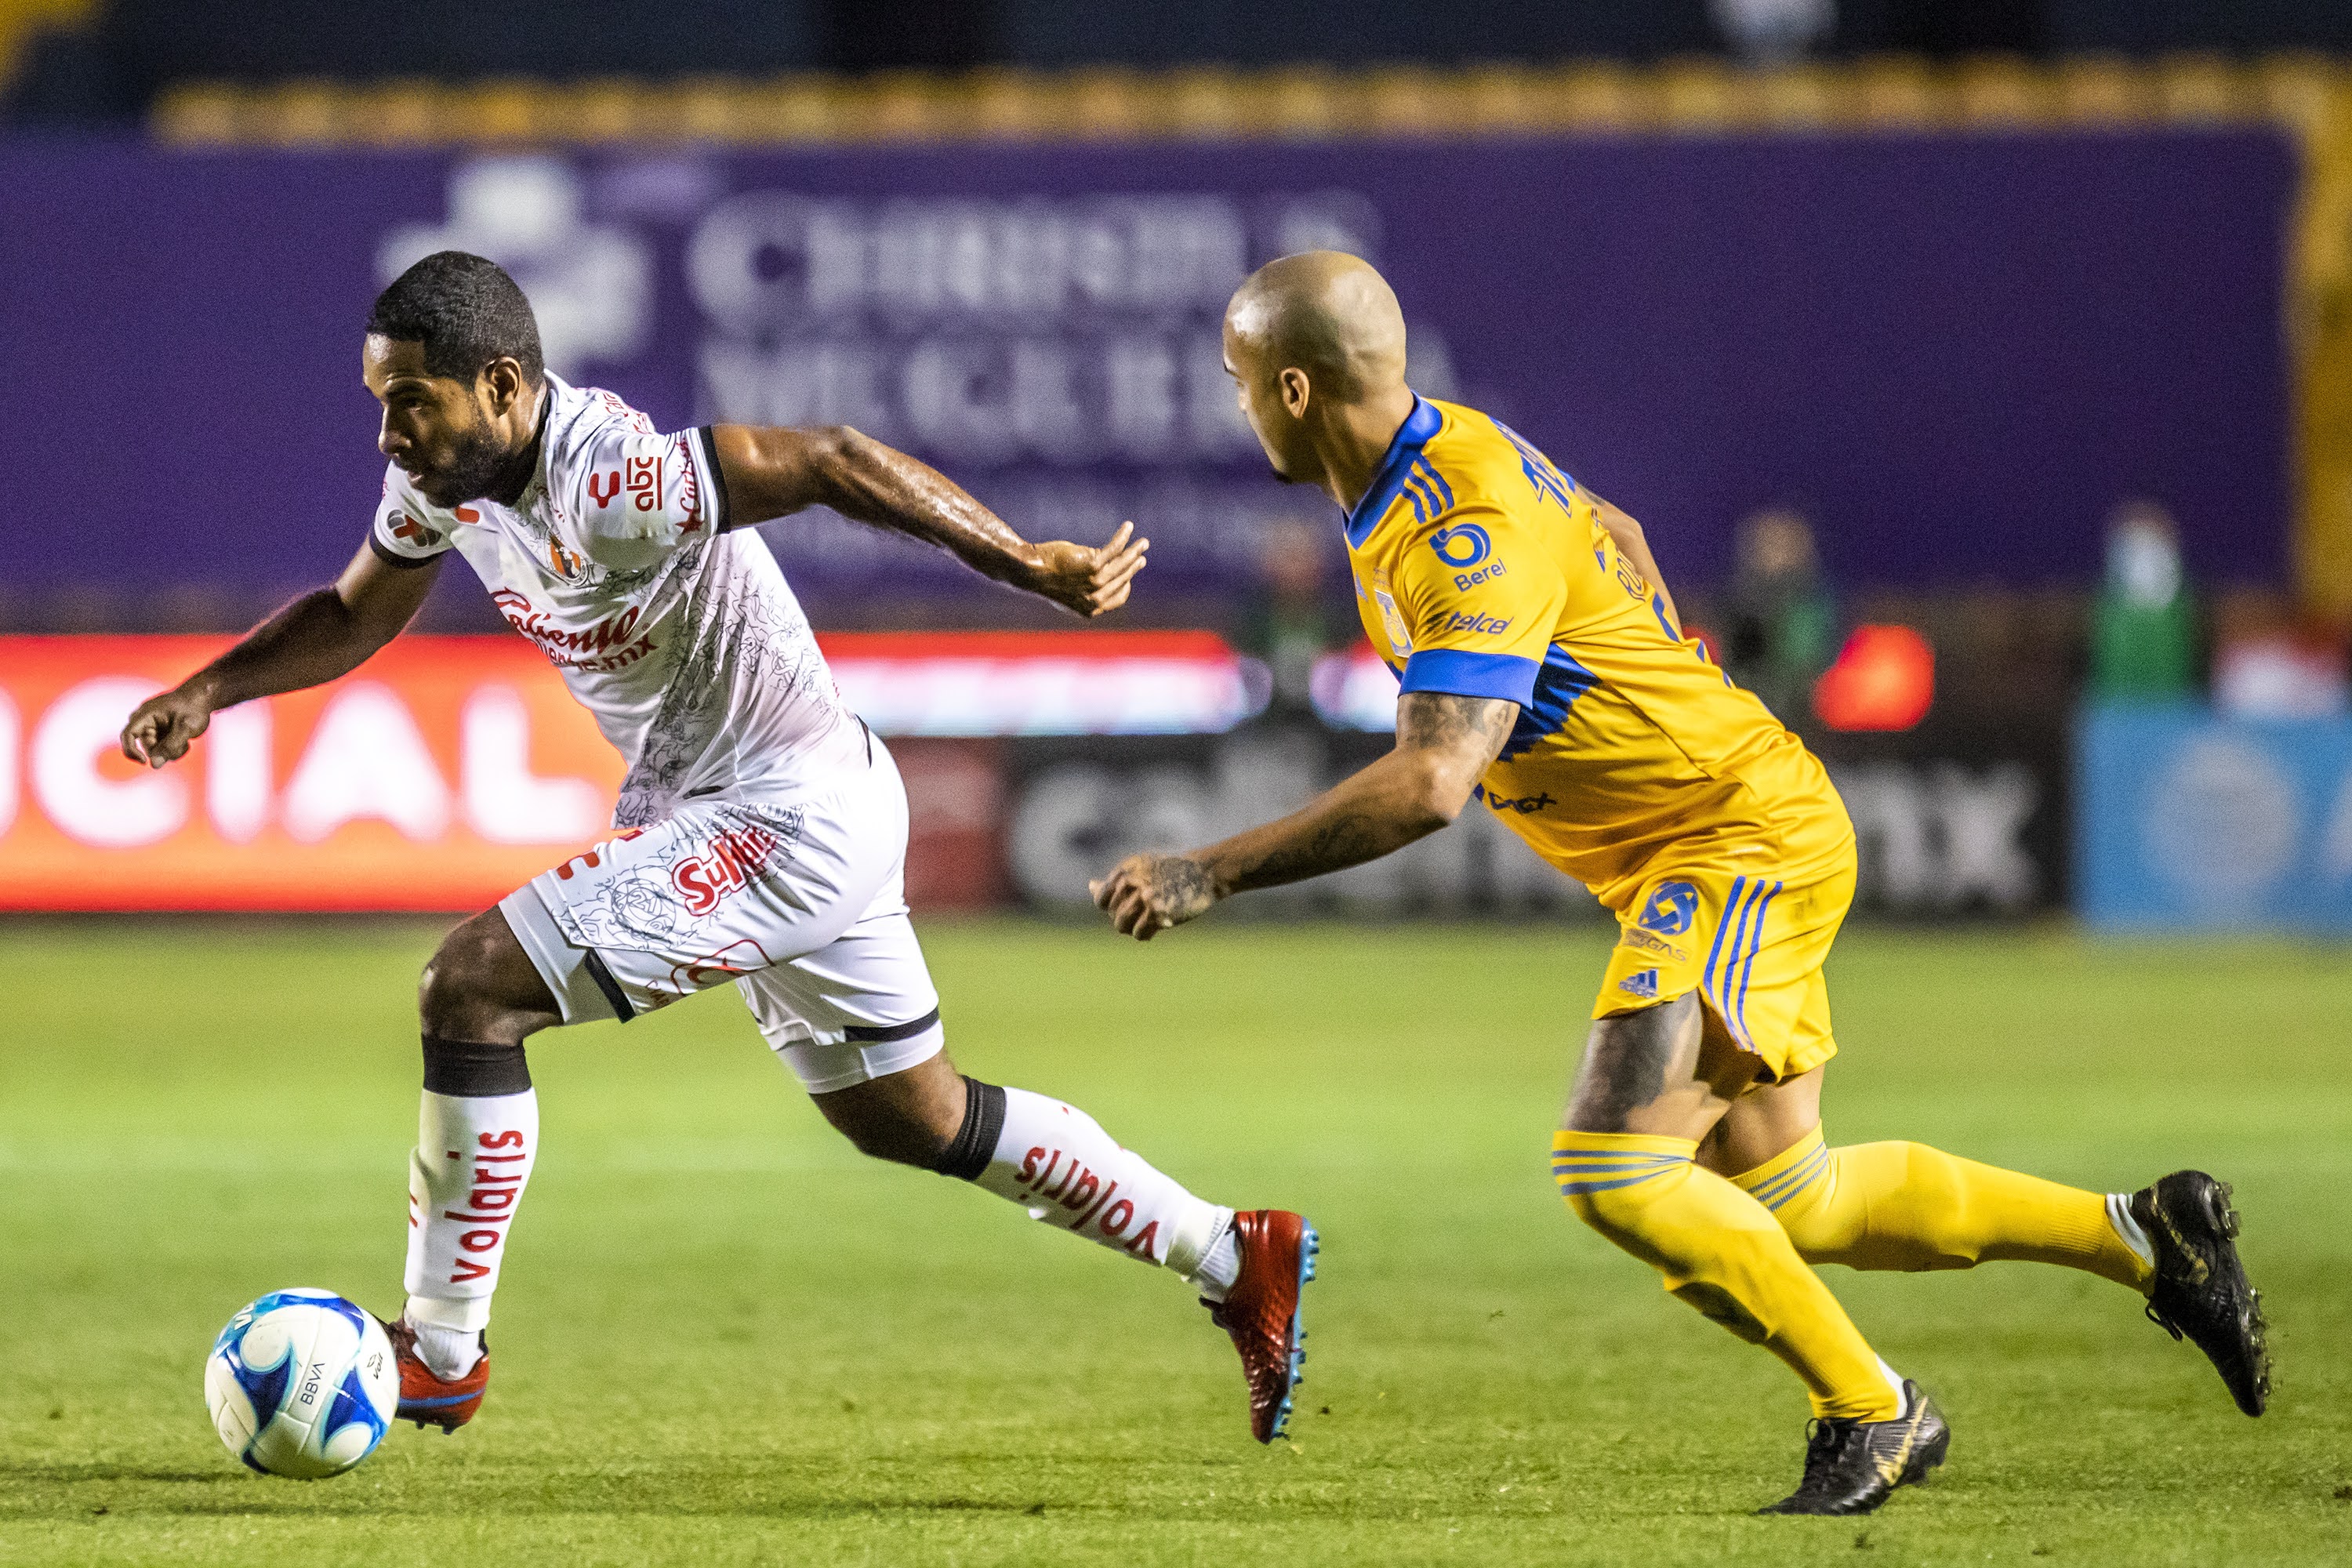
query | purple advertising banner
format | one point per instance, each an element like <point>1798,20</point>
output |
<point>1956,354</point>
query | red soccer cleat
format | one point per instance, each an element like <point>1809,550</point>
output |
<point>1261,1313</point>
<point>428,1400</point>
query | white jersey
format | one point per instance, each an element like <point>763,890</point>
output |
<point>682,638</point>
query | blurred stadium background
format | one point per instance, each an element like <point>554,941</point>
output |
<point>1984,371</point>
<point>1982,374</point>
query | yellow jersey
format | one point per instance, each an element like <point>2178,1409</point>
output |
<point>1483,571</point>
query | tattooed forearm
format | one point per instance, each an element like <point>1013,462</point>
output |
<point>1349,840</point>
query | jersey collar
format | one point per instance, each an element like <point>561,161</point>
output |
<point>1403,447</point>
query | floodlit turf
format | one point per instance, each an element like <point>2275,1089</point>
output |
<point>723,1338</point>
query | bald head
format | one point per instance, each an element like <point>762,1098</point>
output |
<point>1325,312</point>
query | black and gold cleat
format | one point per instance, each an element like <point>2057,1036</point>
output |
<point>2200,1289</point>
<point>1852,1467</point>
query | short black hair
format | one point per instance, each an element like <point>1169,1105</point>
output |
<point>467,313</point>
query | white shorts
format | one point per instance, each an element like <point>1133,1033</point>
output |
<point>801,903</point>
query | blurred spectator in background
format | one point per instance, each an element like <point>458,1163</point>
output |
<point>2268,664</point>
<point>1287,621</point>
<point>2144,633</point>
<point>1771,32</point>
<point>1779,621</point>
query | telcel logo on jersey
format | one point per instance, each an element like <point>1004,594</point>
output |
<point>1478,624</point>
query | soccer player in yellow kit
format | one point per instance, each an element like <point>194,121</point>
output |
<point>1544,673</point>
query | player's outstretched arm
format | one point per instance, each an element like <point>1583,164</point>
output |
<point>326,632</point>
<point>1444,743</point>
<point>772,471</point>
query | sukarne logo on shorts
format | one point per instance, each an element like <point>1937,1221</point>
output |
<point>733,859</point>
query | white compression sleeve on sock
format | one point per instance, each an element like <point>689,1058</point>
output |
<point>473,1156</point>
<point>2119,1216</point>
<point>1057,1162</point>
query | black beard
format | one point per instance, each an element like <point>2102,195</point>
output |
<point>480,467</point>
<point>474,463</point>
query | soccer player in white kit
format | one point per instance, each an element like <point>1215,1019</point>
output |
<point>761,829</point>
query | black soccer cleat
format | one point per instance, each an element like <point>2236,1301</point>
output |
<point>1852,1467</point>
<point>2200,1289</point>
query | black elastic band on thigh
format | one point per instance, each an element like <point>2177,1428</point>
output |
<point>975,1140</point>
<point>473,1069</point>
<point>611,987</point>
<point>882,1034</point>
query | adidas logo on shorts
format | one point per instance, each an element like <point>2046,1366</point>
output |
<point>1645,984</point>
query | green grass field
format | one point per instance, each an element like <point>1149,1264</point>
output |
<point>723,1338</point>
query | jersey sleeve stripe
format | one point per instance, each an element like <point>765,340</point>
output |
<point>706,451</point>
<point>390,557</point>
<point>1460,672</point>
<point>1436,481</point>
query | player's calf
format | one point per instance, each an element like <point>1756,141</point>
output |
<point>1059,1165</point>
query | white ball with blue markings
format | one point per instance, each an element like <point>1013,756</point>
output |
<point>301,1384</point>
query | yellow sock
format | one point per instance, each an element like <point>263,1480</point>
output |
<point>1907,1207</point>
<point>1722,1253</point>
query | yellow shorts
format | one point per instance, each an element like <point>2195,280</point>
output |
<point>1751,946</point>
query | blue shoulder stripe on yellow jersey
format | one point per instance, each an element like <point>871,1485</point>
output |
<point>1404,450</point>
<point>1464,672</point>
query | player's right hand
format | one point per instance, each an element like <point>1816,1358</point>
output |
<point>1147,894</point>
<point>164,725</point>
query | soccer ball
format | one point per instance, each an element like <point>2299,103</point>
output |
<point>301,1384</point>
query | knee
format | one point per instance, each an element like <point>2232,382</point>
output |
<point>458,996</point>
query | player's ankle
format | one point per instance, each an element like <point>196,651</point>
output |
<point>448,1335</point>
<point>1219,1265</point>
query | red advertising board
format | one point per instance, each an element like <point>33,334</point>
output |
<point>447,771</point>
<point>437,776</point>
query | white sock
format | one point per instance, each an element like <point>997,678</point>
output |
<point>1895,1381</point>
<point>472,1159</point>
<point>450,1352</point>
<point>1223,1264</point>
<point>2119,1216</point>
<point>1057,1162</point>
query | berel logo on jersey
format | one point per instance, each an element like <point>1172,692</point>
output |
<point>604,486</point>
<point>1464,544</point>
<point>1671,910</point>
<point>1643,984</point>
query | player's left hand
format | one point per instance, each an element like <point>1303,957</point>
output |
<point>1086,581</point>
<point>1147,894</point>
